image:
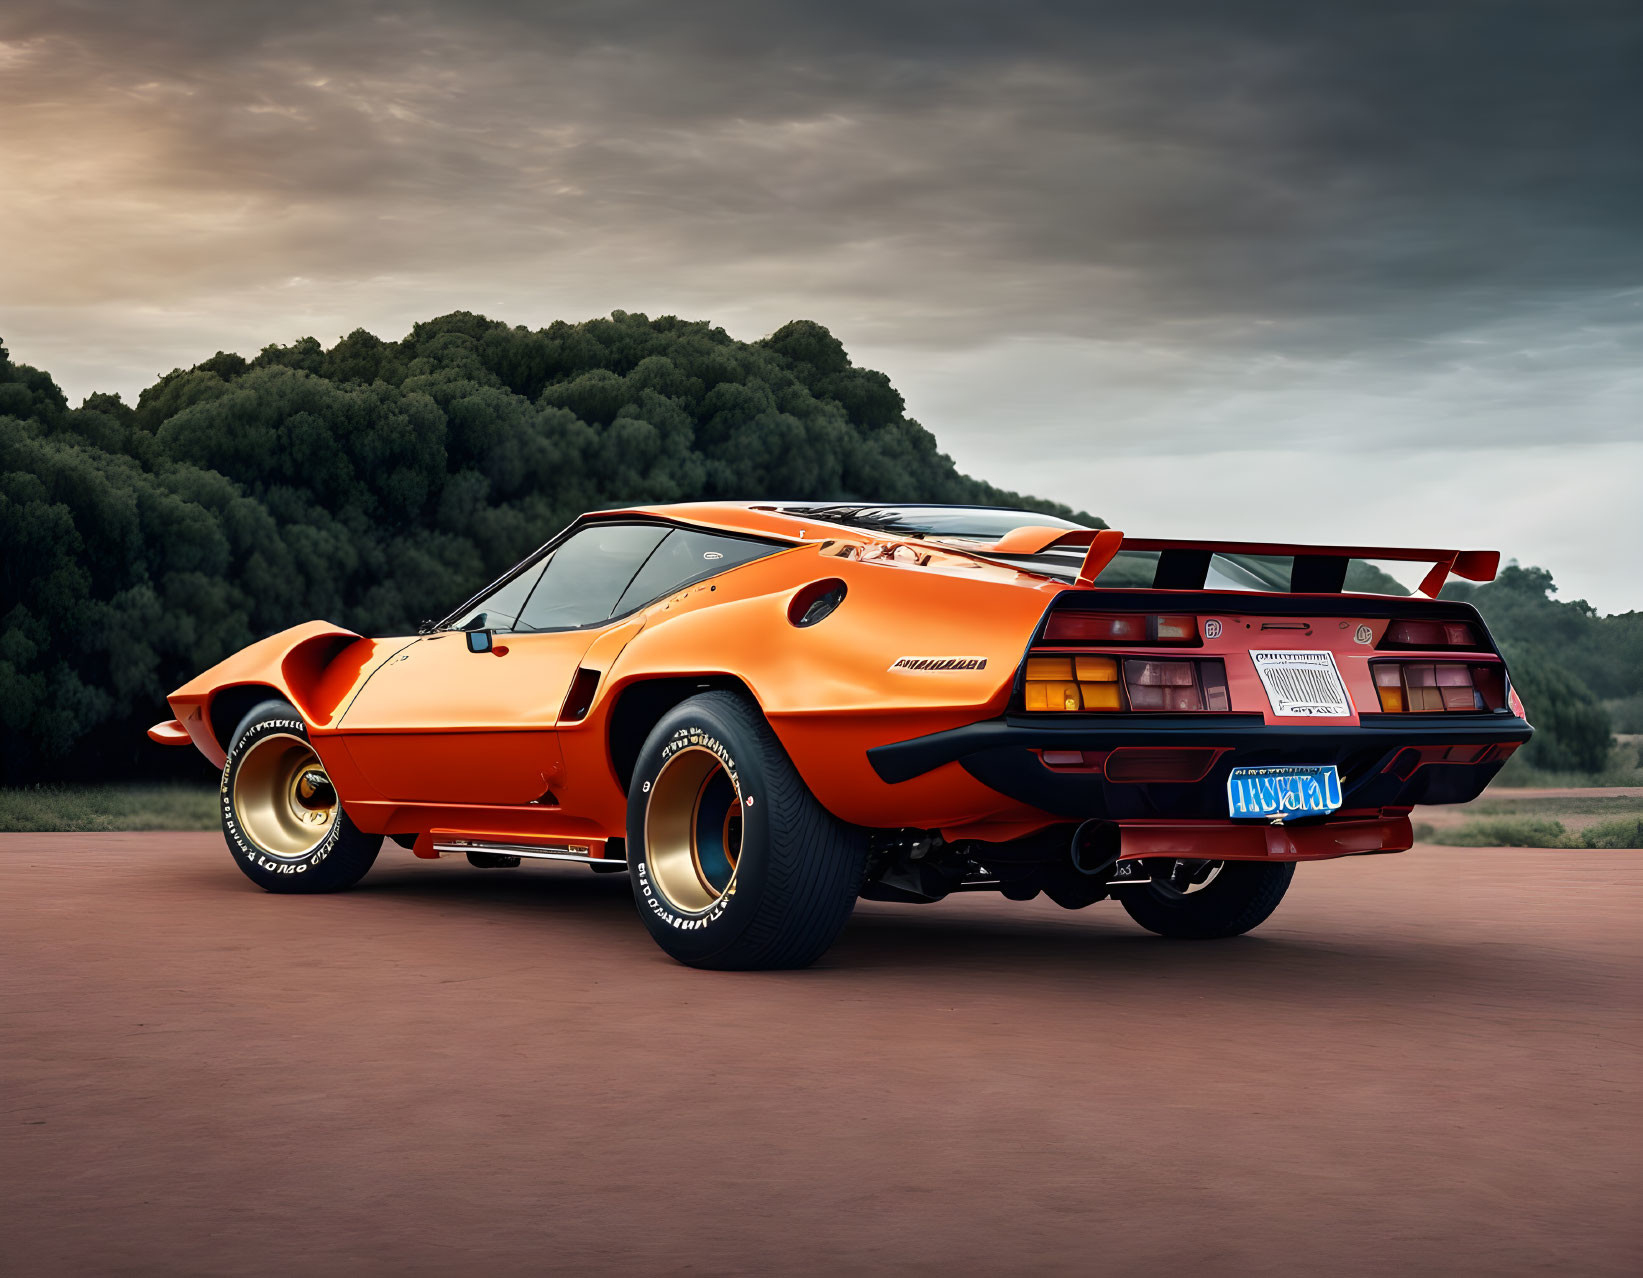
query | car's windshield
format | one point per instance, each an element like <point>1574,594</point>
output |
<point>981,522</point>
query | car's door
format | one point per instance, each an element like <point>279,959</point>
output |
<point>442,724</point>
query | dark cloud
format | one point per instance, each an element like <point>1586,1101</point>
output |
<point>1256,161</point>
<point>1313,215</point>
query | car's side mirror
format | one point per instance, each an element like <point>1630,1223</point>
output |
<point>479,640</point>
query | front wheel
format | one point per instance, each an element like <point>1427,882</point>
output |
<point>734,863</point>
<point>280,813</point>
<point>1203,900</point>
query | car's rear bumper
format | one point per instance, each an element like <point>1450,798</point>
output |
<point>1226,840</point>
<point>1386,761</point>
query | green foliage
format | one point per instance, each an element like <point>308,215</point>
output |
<point>1604,653</point>
<point>1362,575</point>
<point>1571,729</point>
<point>1626,713</point>
<point>1627,833</point>
<point>1503,832</point>
<point>1623,767</point>
<point>110,807</point>
<point>1566,660</point>
<point>377,483</point>
<point>1533,832</point>
<point>1589,803</point>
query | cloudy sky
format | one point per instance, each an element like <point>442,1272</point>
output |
<point>1333,271</point>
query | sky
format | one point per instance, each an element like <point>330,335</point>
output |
<point>1319,271</point>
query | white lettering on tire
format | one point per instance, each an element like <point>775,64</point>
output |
<point>243,845</point>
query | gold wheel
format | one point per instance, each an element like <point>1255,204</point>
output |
<point>693,830</point>
<point>282,797</point>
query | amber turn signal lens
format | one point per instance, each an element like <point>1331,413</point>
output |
<point>1097,669</point>
<point>1052,696</point>
<point>1050,684</point>
<point>1100,696</point>
<point>1389,686</point>
<point>1094,683</point>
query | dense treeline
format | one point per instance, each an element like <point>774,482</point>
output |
<point>1579,674</point>
<point>377,483</point>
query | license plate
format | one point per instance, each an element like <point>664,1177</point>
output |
<point>1308,789</point>
<point>1303,684</point>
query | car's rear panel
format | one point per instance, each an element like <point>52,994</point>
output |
<point>1135,706</point>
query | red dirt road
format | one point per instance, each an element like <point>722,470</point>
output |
<point>1426,1063</point>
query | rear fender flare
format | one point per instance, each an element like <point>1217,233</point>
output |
<point>638,705</point>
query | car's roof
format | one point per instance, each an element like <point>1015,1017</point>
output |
<point>876,521</point>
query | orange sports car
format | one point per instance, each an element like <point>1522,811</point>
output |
<point>763,711</point>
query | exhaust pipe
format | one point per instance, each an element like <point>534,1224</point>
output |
<point>1095,847</point>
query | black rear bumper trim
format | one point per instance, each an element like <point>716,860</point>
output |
<point>903,760</point>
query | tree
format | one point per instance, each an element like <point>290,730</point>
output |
<point>1571,729</point>
<point>376,483</point>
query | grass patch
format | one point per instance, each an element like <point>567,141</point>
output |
<point>1504,832</point>
<point>1600,805</point>
<point>1625,767</point>
<point>1627,833</point>
<point>1531,832</point>
<point>157,806</point>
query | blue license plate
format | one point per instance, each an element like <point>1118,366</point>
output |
<point>1296,790</point>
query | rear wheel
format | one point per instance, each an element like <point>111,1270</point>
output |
<point>734,863</point>
<point>1202,900</point>
<point>280,814</point>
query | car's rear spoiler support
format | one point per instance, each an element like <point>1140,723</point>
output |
<point>1184,564</point>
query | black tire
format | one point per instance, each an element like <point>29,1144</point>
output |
<point>1241,897</point>
<point>795,870</point>
<point>290,848</point>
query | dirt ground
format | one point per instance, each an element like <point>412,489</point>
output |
<point>1426,1063</point>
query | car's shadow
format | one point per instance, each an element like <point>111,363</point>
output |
<point>1033,943</point>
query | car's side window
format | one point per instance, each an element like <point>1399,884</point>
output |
<point>587,574</point>
<point>687,556</point>
<point>500,609</point>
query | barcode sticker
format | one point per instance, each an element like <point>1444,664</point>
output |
<point>1303,684</point>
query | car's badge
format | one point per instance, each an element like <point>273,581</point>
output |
<point>1212,629</point>
<point>1363,634</point>
<point>939,663</point>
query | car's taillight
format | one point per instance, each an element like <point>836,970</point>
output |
<point>1069,626</point>
<point>1073,683</point>
<point>1405,633</point>
<point>1174,629</point>
<point>1175,685</point>
<point>1426,687</point>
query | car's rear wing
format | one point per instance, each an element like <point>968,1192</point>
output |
<point>1183,564</point>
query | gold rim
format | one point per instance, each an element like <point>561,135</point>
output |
<point>282,797</point>
<point>693,830</point>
